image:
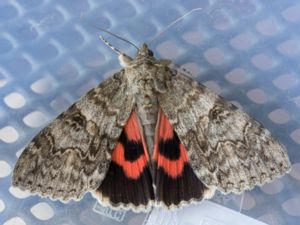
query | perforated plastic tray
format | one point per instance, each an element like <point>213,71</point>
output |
<point>50,55</point>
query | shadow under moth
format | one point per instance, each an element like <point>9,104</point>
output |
<point>149,136</point>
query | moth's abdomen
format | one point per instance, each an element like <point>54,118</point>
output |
<point>147,111</point>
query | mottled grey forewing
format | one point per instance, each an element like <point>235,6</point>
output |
<point>227,149</point>
<point>71,155</point>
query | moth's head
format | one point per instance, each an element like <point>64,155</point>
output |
<point>144,51</point>
<point>144,55</point>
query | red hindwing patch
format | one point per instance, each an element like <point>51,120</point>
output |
<point>166,158</point>
<point>174,178</point>
<point>133,167</point>
<point>128,180</point>
<point>174,168</point>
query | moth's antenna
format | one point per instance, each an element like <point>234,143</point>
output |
<point>115,35</point>
<point>173,23</point>
<point>109,45</point>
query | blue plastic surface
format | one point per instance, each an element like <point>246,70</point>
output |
<point>50,55</point>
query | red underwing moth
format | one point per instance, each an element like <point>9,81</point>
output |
<point>149,136</point>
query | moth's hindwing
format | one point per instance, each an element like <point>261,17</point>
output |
<point>128,182</point>
<point>227,149</point>
<point>71,155</point>
<point>176,183</point>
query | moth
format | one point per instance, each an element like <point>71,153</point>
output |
<point>147,136</point>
